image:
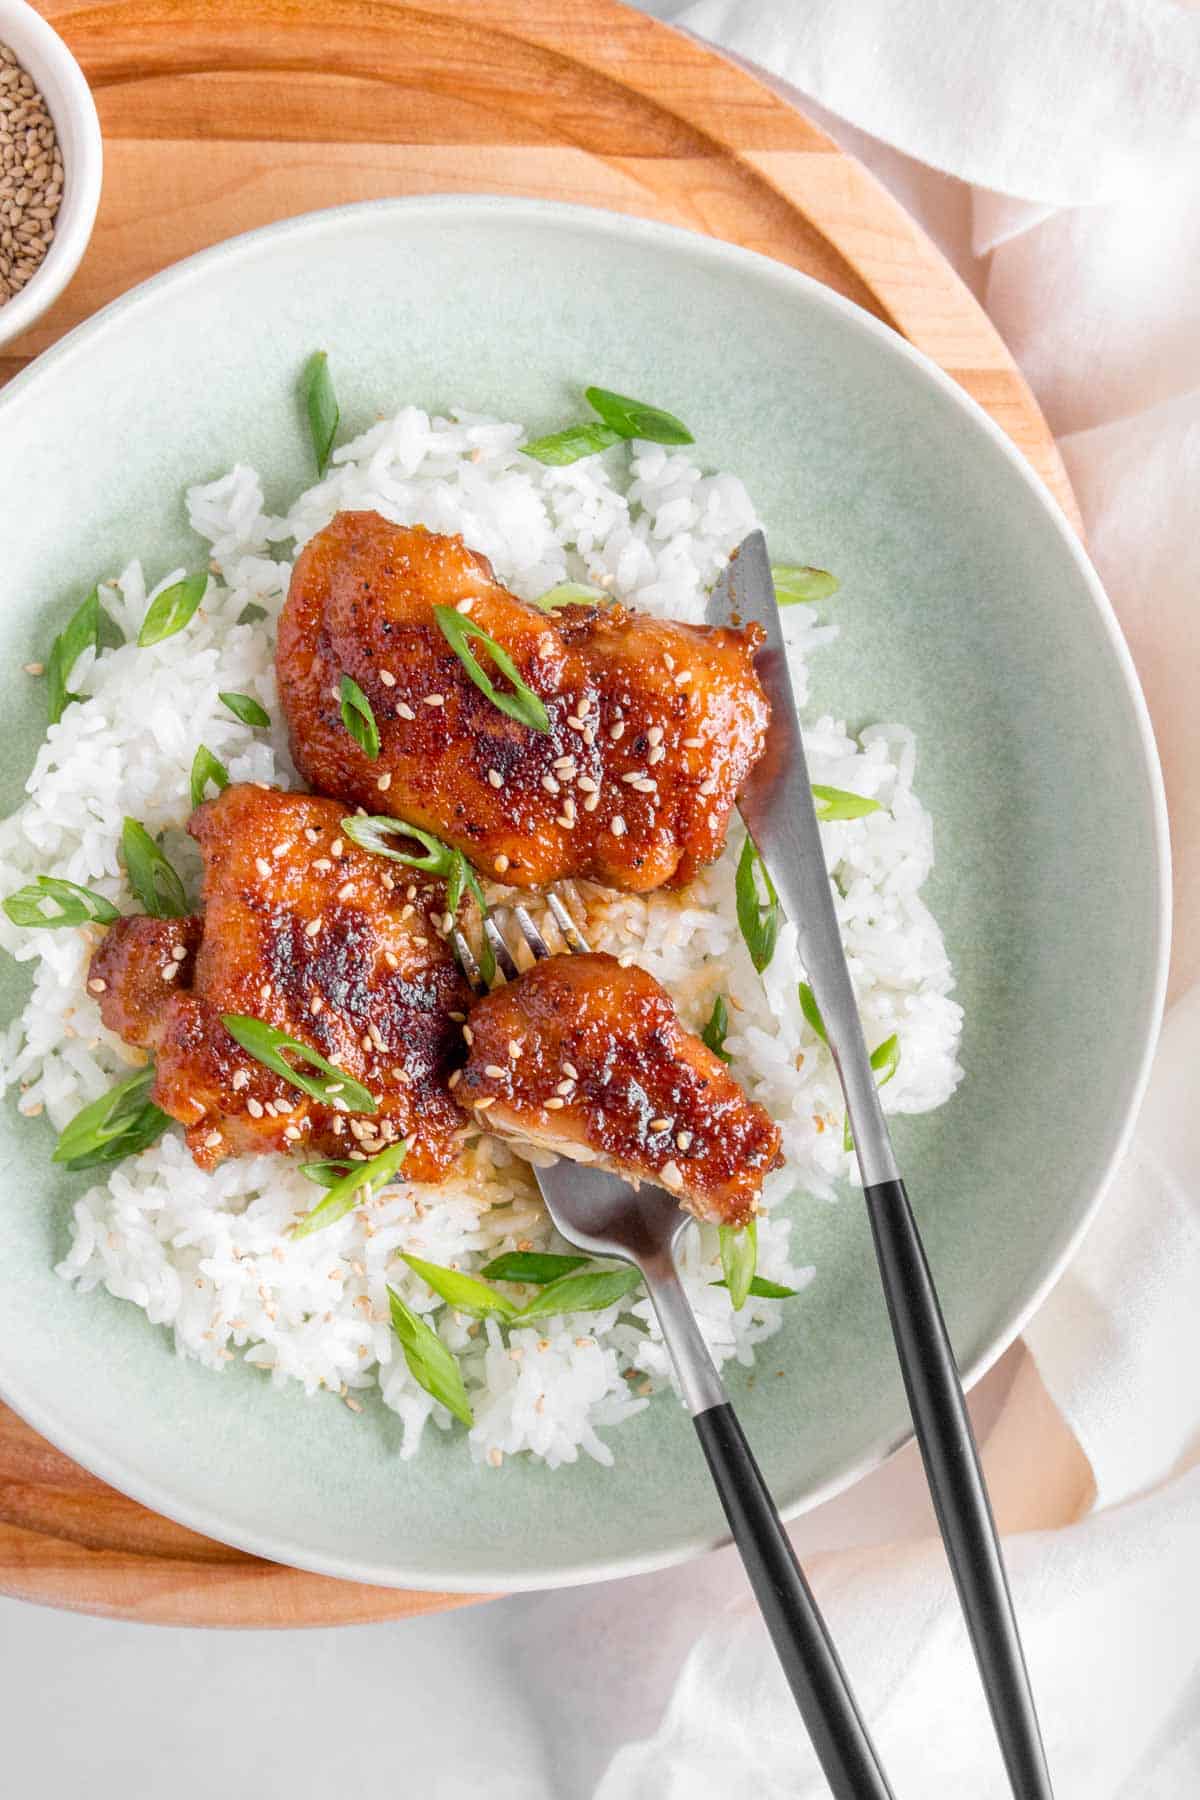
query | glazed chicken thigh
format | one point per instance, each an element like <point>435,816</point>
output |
<point>585,1057</point>
<point>654,726</point>
<point>327,943</point>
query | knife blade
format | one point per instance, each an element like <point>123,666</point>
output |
<point>777,806</point>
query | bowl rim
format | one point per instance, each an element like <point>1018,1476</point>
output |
<point>47,58</point>
<point>104,1462</point>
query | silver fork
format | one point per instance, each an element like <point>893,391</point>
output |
<point>609,1217</point>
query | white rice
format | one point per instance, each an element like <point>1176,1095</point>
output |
<point>209,1256</point>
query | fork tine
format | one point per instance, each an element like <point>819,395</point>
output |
<point>504,959</point>
<point>467,963</point>
<point>530,933</point>
<point>572,936</point>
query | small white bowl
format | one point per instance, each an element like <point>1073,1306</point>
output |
<point>42,53</point>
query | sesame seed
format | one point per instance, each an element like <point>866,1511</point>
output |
<point>670,1175</point>
<point>376,1035</point>
<point>315,1005</point>
<point>384,782</point>
<point>272,1107</point>
<point>668,659</point>
<point>391,959</point>
<point>501,864</point>
<point>410,892</point>
<point>554,1105</point>
<point>292,1132</point>
<point>387,881</point>
<point>575,722</point>
<point>335,1087</point>
<point>516,1049</point>
<point>169,971</point>
<point>178,953</point>
<point>313,836</point>
<point>264,992</point>
<point>96,986</point>
<point>683,677</point>
<point>617,732</point>
<point>323,864</point>
<point>262,865</point>
<point>336,692</point>
<point>35,668</point>
<point>551,786</point>
<point>656,754</point>
<point>586,784</point>
<point>278,850</point>
<point>484,1101</point>
<point>564,764</point>
<point>407,911</point>
<point>494,1072</point>
<point>565,1087</point>
<point>448,921</point>
<point>464,606</point>
<point>496,778</point>
<point>455,1079</point>
<point>655,734</point>
<point>693,743</point>
<point>435,699</point>
<point>632,775</point>
<point>212,1139</point>
<point>566,820</point>
<point>660,1124</point>
<point>708,787</point>
<point>683,1140</point>
<point>240,1080</point>
<point>571,1070</point>
<point>404,710</point>
<point>714,823</point>
<point>645,786</point>
<point>313,926</point>
<point>589,735</point>
<point>617,826</point>
<point>254,1107</point>
<point>337,847</point>
<point>592,801</point>
<point>387,678</point>
<point>346,890</point>
<point>468,1035</point>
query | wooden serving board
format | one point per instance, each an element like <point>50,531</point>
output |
<point>221,115</point>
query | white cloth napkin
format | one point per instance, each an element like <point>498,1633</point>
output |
<point>1082,123</point>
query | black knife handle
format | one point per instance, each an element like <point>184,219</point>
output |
<point>960,1498</point>
<point>805,1649</point>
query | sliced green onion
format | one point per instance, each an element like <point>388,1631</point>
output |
<point>569,446</point>
<point>251,613</point>
<point>570,593</point>
<point>76,905</point>
<point>118,1124</point>
<point>534,1266</point>
<point>247,709</point>
<point>715,1032</point>
<point>812,1012</point>
<point>797,585</point>
<point>155,883</point>
<point>761,1289</point>
<point>371,832</point>
<point>344,1193</point>
<point>634,419</point>
<point>205,768</point>
<point>429,1362</point>
<point>522,704</point>
<point>266,1045</point>
<point>358,718</point>
<point>839,803</point>
<point>739,1257</point>
<point>320,401</point>
<point>80,633</point>
<point>584,1292</point>
<point>464,1292</point>
<point>326,1174</point>
<point>758,919</point>
<point>172,609</point>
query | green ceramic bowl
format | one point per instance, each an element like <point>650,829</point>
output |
<point>967,610</point>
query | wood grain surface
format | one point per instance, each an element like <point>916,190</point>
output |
<point>221,115</point>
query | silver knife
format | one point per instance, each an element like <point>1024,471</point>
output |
<point>777,806</point>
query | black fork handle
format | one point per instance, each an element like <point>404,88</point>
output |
<point>811,1664</point>
<point>960,1498</point>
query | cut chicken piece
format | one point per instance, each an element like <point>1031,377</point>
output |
<point>654,726</point>
<point>319,939</point>
<point>587,1058</point>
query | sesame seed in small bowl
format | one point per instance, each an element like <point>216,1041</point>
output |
<point>51,160</point>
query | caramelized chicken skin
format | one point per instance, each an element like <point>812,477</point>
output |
<point>654,725</point>
<point>588,1058</point>
<point>324,941</point>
